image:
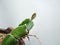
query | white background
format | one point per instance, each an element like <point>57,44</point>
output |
<point>47,22</point>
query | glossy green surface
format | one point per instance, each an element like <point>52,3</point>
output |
<point>19,31</point>
<point>9,40</point>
